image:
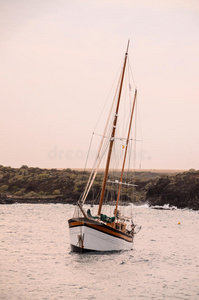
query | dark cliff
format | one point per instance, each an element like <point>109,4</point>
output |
<point>181,191</point>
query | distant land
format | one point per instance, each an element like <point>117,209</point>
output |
<point>156,187</point>
<point>159,171</point>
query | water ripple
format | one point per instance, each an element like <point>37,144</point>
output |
<point>36,262</point>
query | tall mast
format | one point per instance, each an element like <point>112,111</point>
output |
<point>127,142</point>
<point>112,135</point>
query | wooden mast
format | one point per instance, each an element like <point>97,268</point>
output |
<point>112,135</point>
<point>127,141</point>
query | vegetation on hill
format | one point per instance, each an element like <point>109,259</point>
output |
<point>35,185</point>
<point>28,184</point>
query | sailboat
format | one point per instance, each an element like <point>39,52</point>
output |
<point>100,232</point>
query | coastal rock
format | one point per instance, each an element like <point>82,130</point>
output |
<point>181,191</point>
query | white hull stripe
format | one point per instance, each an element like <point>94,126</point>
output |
<point>100,227</point>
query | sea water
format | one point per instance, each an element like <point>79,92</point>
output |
<point>36,262</point>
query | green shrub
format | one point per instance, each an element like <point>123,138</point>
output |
<point>56,192</point>
<point>31,194</point>
<point>20,192</point>
<point>4,188</point>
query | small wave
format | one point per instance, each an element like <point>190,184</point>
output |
<point>144,205</point>
<point>164,207</point>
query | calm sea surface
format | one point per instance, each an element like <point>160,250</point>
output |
<point>36,263</point>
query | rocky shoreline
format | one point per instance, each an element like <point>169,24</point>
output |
<point>181,191</point>
<point>49,200</point>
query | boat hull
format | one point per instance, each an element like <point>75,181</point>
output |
<point>90,235</point>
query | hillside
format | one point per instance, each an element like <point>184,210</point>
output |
<point>35,185</point>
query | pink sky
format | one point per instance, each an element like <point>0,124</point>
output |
<point>58,61</point>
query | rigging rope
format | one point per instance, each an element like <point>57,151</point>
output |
<point>108,97</point>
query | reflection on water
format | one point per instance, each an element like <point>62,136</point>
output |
<point>36,262</point>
